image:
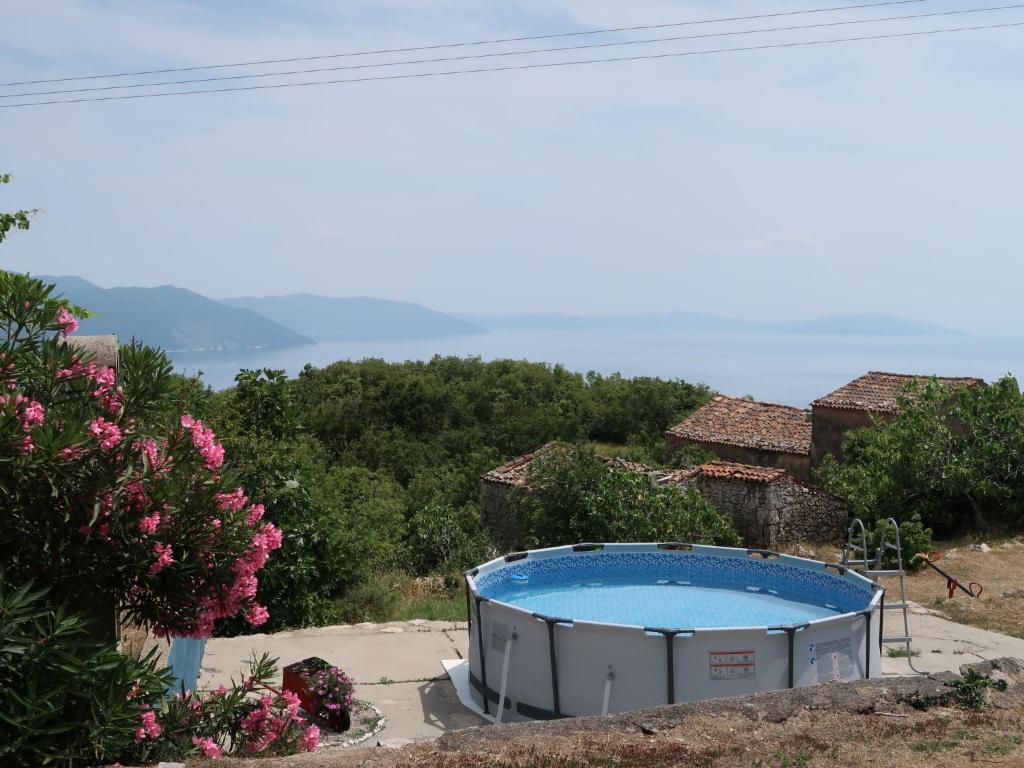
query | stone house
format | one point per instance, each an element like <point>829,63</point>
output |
<point>497,486</point>
<point>748,432</point>
<point>767,505</point>
<point>875,395</point>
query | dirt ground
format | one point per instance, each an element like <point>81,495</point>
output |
<point>1001,574</point>
<point>909,722</point>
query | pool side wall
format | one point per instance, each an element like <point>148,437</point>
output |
<point>631,665</point>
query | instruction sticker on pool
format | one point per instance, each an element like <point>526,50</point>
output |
<point>832,660</point>
<point>731,665</point>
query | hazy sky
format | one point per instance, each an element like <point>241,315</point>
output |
<point>880,176</point>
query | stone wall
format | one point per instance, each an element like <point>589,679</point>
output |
<point>806,513</point>
<point>774,515</point>
<point>829,425</point>
<point>498,516</point>
<point>798,465</point>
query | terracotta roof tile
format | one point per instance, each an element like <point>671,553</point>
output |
<point>748,424</point>
<point>732,470</point>
<point>514,472</point>
<point>880,392</point>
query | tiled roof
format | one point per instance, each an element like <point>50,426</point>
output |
<point>732,470</point>
<point>514,472</point>
<point>880,392</point>
<point>748,424</point>
<point>725,470</point>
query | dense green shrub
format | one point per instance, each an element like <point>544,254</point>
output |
<point>914,538</point>
<point>573,496</point>
<point>103,495</point>
<point>955,458</point>
<point>65,698</point>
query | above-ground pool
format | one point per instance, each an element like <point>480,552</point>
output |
<point>600,628</point>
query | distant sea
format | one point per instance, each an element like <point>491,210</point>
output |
<point>785,368</point>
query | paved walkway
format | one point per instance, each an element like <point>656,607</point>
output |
<point>397,666</point>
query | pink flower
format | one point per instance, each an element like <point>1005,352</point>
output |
<point>254,514</point>
<point>257,615</point>
<point>310,739</point>
<point>164,557</point>
<point>108,433</point>
<point>203,439</point>
<point>150,728</point>
<point>207,747</point>
<point>150,523</point>
<point>233,501</point>
<point>26,445</point>
<point>32,415</point>
<point>66,321</point>
<point>70,453</point>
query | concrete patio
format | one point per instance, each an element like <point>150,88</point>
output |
<point>397,666</point>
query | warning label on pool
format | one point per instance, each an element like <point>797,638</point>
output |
<point>731,665</point>
<point>832,660</point>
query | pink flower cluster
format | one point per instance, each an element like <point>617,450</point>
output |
<point>30,413</point>
<point>208,748</point>
<point>150,728</point>
<point>67,322</point>
<point>203,439</point>
<point>107,432</point>
<point>334,689</point>
<point>164,557</point>
<point>262,727</point>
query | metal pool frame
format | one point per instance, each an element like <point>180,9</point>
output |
<point>528,666</point>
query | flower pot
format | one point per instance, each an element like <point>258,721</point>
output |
<point>340,720</point>
<point>296,679</point>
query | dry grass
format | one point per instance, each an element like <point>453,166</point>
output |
<point>946,737</point>
<point>1001,574</point>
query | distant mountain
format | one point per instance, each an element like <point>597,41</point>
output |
<point>835,325</point>
<point>173,318</point>
<point>355,319</point>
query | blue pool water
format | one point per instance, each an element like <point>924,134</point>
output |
<point>678,590</point>
<point>665,605</point>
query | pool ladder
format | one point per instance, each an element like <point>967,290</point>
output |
<point>855,555</point>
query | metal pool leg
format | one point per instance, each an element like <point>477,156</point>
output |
<point>790,630</point>
<point>670,636</point>
<point>483,660</point>
<point>554,665</point>
<point>867,644</point>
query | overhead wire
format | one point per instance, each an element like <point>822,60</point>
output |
<point>533,51</point>
<point>494,41</point>
<point>519,67</point>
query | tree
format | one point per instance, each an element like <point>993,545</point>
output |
<point>954,457</point>
<point>572,496</point>
<point>96,497</point>
<point>15,220</point>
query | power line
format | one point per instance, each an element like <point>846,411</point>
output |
<point>517,67</point>
<point>496,41</point>
<point>561,49</point>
